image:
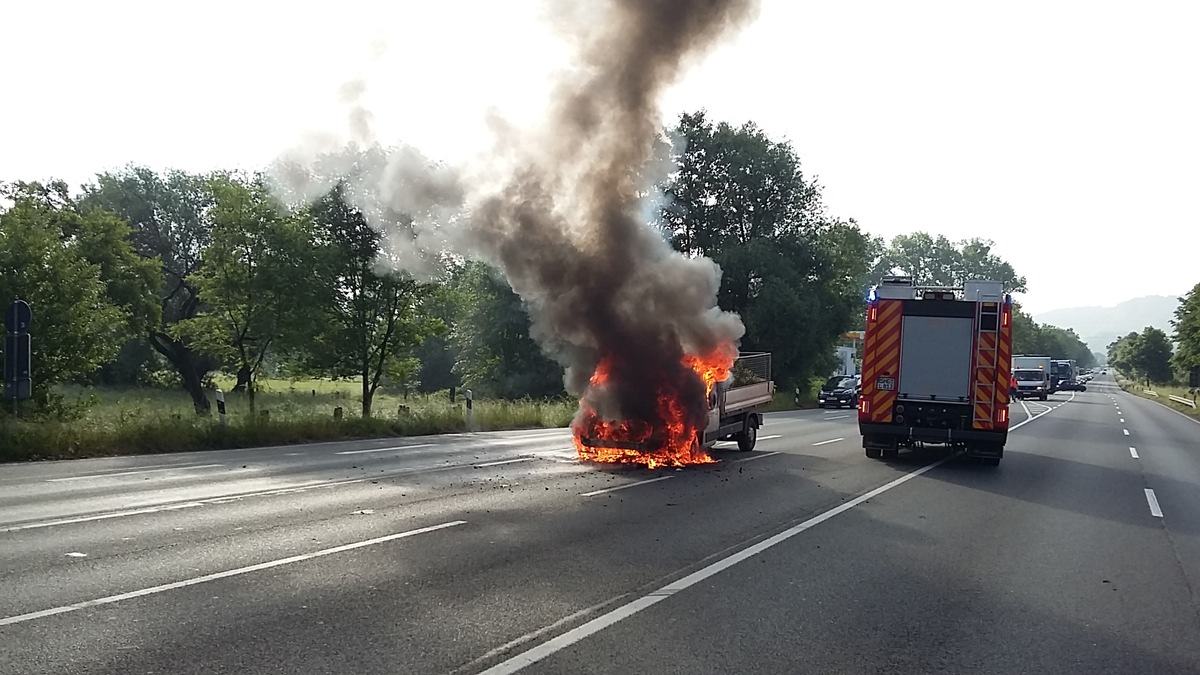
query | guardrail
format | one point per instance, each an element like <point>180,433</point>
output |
<point>1184,401</point>
<point>1151,392</point>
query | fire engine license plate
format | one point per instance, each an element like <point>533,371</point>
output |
<point>885,384</point>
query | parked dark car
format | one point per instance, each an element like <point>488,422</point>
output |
<point>838,391</point>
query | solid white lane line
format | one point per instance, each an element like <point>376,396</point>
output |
<point>593,493</point>
<point>832,440</point>
<point>1126,431</point>
<point>1152,500</point>
<point>1133,452</point>
<point>837,417</point>
<point>754,457</point>
<point>767,438</point>
<point>130,473</point>
<point>506,461</point>
<point>396,447</point>
<point>603,621</point>
<point>21,618</point>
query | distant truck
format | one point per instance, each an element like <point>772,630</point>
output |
<point>936,368</point>
<point>1063,373</point>
<point>1032,376</point>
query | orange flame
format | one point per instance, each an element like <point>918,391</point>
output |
<point>673,442</point>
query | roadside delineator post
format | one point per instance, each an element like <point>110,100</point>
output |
<point>470,400</point>
<point>221,408</point>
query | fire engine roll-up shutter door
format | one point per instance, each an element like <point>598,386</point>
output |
<point>935,359</point>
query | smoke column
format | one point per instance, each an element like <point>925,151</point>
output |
<point>560,209</point>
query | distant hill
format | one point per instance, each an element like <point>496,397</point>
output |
<point>1100,326</point>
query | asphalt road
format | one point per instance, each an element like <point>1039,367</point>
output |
<point>499,553</point>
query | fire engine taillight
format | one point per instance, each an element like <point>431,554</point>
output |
<point>1005,315</point>
<point>864,406</point>
<point>1003,415</point>
<point>871,313</point>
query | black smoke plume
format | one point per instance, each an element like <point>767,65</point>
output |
<point>561,209</point>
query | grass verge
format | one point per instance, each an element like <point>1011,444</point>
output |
<point>111,422</point>
<point>1161,394</point>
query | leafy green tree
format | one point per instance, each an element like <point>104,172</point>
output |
<point>75,322</point>
<point>1122,353</point>
<point>1187,332</point>
<point>255,279</point>
<point>496,356</point>
<point>1145,355</point>
<point>171,217</point>
<point>438,352</point>
<point>941,262</point>
<point>794,274</point>
<point>1154,356</point>
<point>376,316</point>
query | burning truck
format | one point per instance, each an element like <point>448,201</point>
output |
<point>718,397</point>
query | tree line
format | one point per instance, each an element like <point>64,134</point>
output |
<point>1153,355</point>
<point>165,278</point>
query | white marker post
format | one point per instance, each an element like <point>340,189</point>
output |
<point>470,400</point>
<point>221,408</point>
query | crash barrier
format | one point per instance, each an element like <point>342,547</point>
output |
<point>1184,401</point>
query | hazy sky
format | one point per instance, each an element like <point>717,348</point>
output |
<point>1068,132</point>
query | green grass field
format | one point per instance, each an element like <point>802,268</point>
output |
<point>112,421</point>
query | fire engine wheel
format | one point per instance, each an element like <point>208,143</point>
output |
<point>748,437</point>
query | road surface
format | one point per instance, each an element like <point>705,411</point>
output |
<point>499,553</point>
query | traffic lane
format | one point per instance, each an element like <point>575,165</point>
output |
<point>963,569</point>
<point>89,493</point>
<point>60,549</point>
<point>92,491</point>
<point>23,472</point>
<point>1168,448</point>
<point>153,523</point>
<point>526,560</point>
<point>1082,443</point>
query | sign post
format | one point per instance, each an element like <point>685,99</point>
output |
<point>18,365</point>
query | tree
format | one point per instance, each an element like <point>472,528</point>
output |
<point>941,262</point>
<point>1187,332</point>
<point>1122,353</point>
<point>438,352</point>
<point>1154,356</point>
<point>172,223</point>
<point>1145,355</point>
<point>254,279</point>
<point>496,356</point>
<point>793,274</point>
<point>376,314</point>
<point>75,322</point>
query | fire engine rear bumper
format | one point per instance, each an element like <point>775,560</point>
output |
<point>898,432</point>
